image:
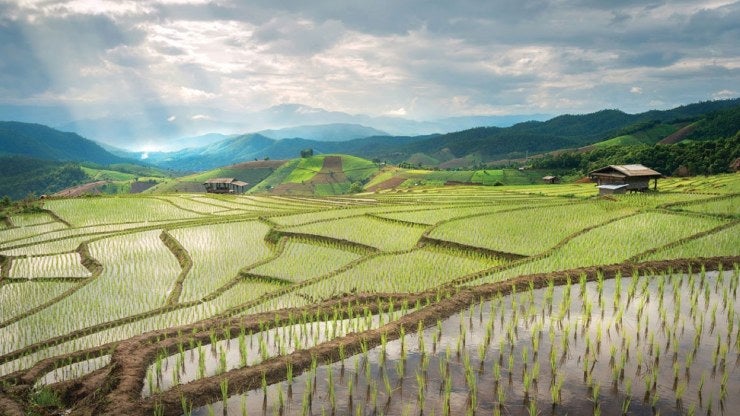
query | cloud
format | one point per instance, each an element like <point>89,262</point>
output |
<point>414,58</point>
<point>724,94</point>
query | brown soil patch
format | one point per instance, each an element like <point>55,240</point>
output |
<point>387,184</point>
<point>88,188</point>
<point>331,171</point>
<point>9,407</point>
<point>679,135</point>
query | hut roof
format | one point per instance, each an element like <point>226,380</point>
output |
<point>627,170</point>
<point>239,183</point>
<point>547,178</point>
<point>220,180</point>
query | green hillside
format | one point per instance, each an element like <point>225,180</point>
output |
<point>642,134</point>
<point>250,172</point>
<point>319,175</point>
<point>399,178</point>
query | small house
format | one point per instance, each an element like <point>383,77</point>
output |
<point>551,179</point>
<point>624,178</point>
<point>224,186</point>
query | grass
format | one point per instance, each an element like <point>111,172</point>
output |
<point>20,297</point>
<point>59,265</point>
<point>365,230</point>
<point>107,210</point>
<point>236,271</point>
<point>614,242</point>
<point>291,264</point>
<point>306,169</point>
<point>514,232</point>
<point>216,263</point>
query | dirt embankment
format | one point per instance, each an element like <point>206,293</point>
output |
<point>183,258</point>
<point>88,188</point>
<point>387,184</point>
<point>117,390</point>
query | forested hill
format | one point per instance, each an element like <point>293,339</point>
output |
<point>476,145</point>
<point>42,142</point>
<point>22,176</point>
<point>573,131</point>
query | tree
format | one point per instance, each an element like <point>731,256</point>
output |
<point>306,153</point>
<point>356,187</point>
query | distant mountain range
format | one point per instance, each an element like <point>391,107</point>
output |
<point>455,149</point>
<point>40,159</point>
<point>337,132</point>
<point>163,127</point>
<point>461,148</point>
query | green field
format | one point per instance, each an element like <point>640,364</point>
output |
<point>81,279</point>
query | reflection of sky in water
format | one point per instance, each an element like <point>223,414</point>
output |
<point>310,334</point>
<point>575,394</point>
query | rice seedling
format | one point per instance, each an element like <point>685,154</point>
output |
<point>518,347</point>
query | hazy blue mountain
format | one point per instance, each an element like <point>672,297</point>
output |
<point>196,141</point>
<point>487,143</point>
<point>337,132</point>
<point>164,126</point>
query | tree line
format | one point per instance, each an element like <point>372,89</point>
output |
<point>685,158</point>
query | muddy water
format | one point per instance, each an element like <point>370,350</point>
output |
<point>628,349</point>
<point>73,371</point>
<point>196,362</point>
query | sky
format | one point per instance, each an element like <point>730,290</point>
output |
<point>415,59</point>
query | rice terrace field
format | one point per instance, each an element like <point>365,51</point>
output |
<point>520,300</point>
